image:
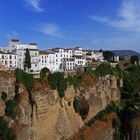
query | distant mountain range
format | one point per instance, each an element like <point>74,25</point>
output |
<point>121,53</point>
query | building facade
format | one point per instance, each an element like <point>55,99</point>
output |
<point>55,59</point>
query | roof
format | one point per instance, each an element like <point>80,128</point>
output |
<point>15,40</point>
<point>33,43</point>
<point>31,49</point>
<point>43,52</point>
<point>1,52</point>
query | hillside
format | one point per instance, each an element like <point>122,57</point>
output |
<point>121,53</point>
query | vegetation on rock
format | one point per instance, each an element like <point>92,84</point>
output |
<point>11,108</point>
<point>76,105</point>
<point>74,80</point>
<point>58,82</point>
<point>6,133</point>
<point>26,79</point>
<point>3,96</point>
<point>43,73</point>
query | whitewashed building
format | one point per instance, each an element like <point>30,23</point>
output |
<point>9,60</point>
<point>48,59</point>
<point>19,49</point>
<point>55,59</point>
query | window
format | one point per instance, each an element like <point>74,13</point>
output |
<point>5,62</point>
<point>10,62</point>
<point>2,56</point>
<point>10,57</point>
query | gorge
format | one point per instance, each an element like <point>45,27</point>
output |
<point>51,117</point>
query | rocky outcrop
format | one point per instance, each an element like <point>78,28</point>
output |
<point>56,118</point>
<point>7,83</point>
<point>101,130</point>
<point>53,118</point>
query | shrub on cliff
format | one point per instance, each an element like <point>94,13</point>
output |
<point>74,80</point>
<point>11,108</point>
<point>6,133</point>
<point>3,96</point>
<point>58,82</point>
<point>26,79</point>
<point>102,70</point>
<point>43,73</point>
<point>76,105</point>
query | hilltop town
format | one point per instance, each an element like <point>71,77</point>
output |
<point>55,59</point>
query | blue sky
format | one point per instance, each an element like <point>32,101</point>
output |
<point>92,24</point>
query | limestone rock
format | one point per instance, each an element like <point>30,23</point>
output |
<point>2,107</point>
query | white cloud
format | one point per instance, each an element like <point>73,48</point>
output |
<point>50,30</point>
<point>35,4</point>
<point>128,17</point>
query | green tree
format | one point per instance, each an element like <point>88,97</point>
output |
<point>27,62</point>
<point>43,73</point>
<point>134,59</point>
<point>108,55</point>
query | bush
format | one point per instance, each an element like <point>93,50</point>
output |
<point>102,70</point>
<point>26,79</point>
<point>74,80</point>
<point>58,82</point>
<point>43,73</point>
<point>76,105</point>
<point>4,96</point>
<point>6,133</point>
<point>11,108</point>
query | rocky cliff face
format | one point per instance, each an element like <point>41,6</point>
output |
<point>54,118</point>
<point>101,130</point>
<point>7,83</point>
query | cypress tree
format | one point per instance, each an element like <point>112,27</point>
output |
<point>27,62</point>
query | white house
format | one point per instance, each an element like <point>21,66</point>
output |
<point>68,64</point>
<point>9,60</point>
<point>48,59</point>
<point>19,49</point>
